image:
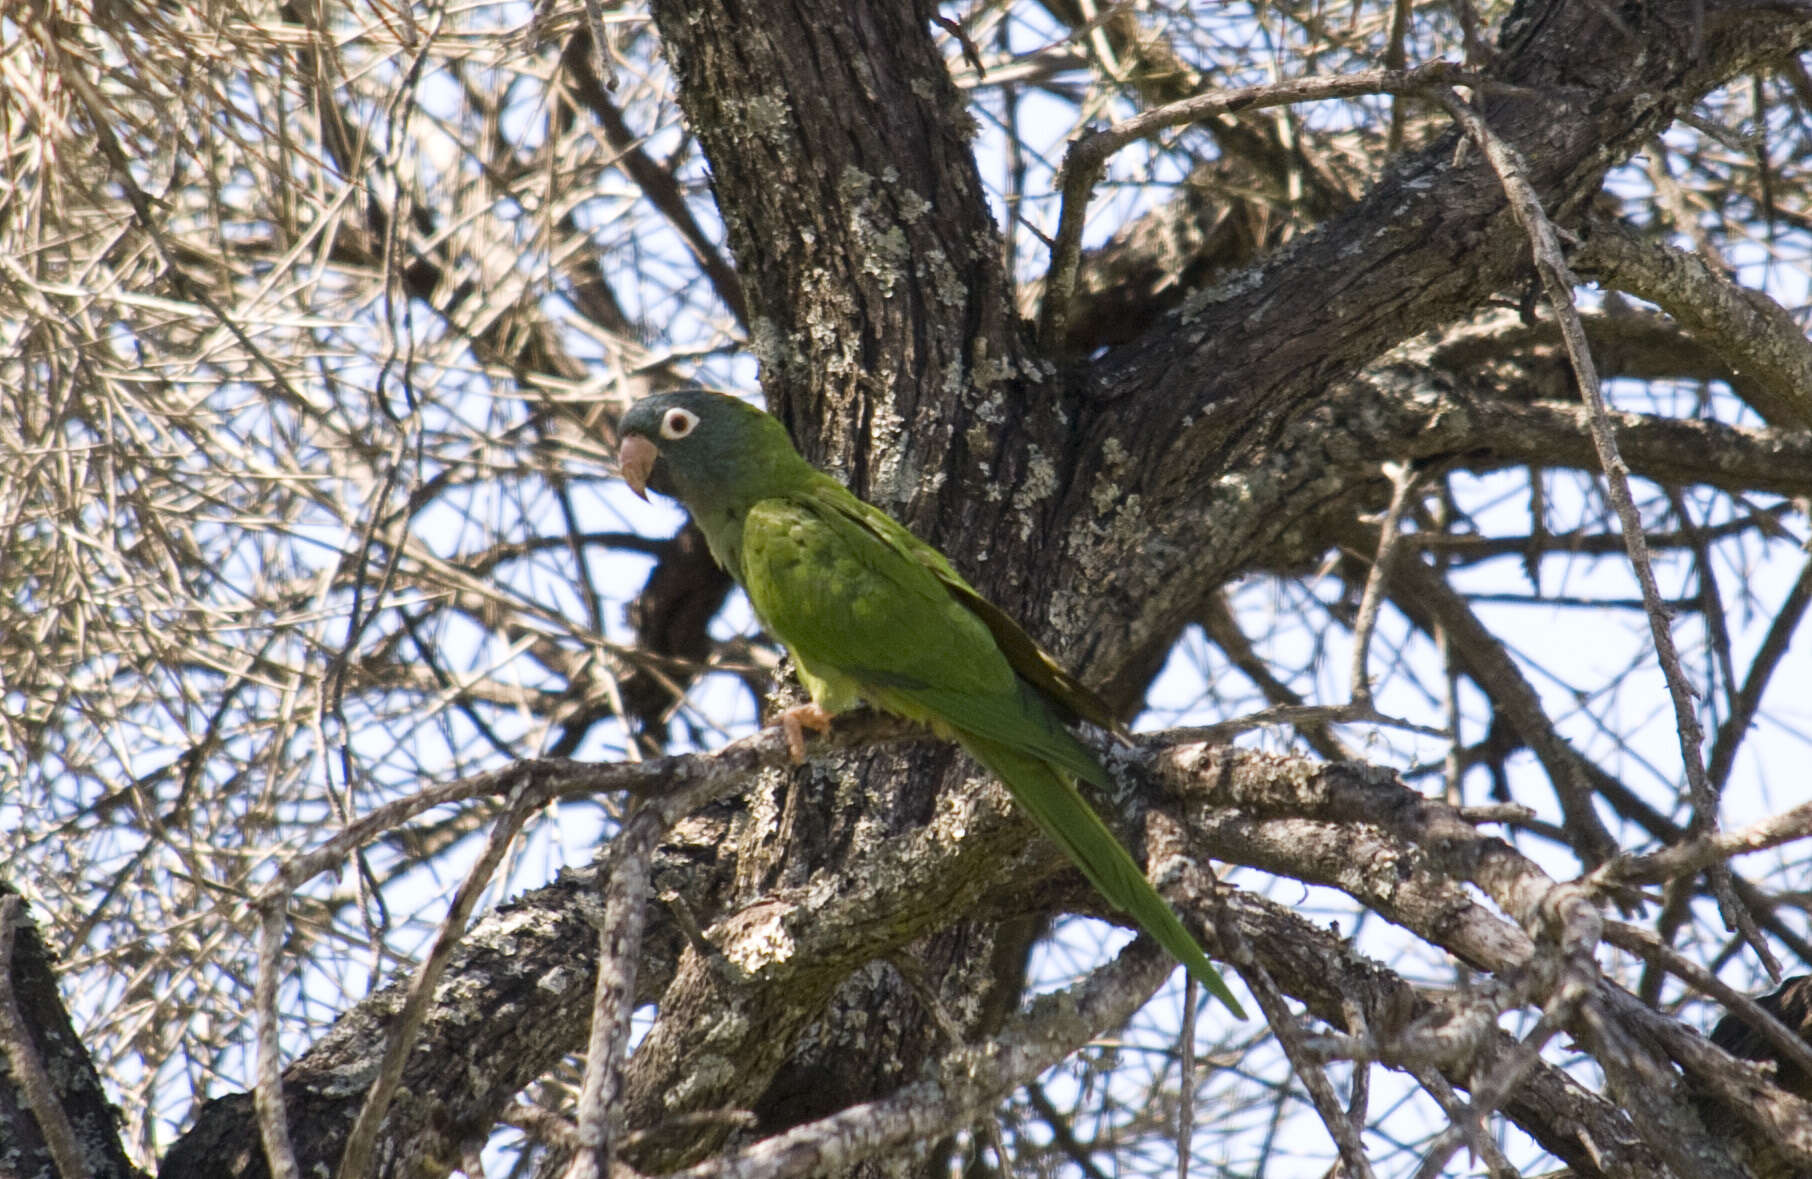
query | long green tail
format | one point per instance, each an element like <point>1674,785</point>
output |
<point>1053,800</point>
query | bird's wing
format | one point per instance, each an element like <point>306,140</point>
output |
<point>1031,662</point>
<point>858,607</point>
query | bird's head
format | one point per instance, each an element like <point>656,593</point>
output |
<point>699,446</point>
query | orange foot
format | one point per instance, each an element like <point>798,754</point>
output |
<point>796,720</point>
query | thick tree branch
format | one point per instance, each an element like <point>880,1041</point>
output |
<point>1343,825</point>
<point>969,1081</point>
<point>1087,157</point>
<point>1763,345</point>
<point>55,1117</point>
<point>1206,392</point>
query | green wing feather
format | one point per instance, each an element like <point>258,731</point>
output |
<point>870,611</point>
<point>1024,655</point>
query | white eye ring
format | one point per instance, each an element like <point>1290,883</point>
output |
<point>677,423</point>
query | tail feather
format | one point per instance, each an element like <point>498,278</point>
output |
<point>1053,800</point>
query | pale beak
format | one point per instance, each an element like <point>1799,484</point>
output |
<point>635,459</point>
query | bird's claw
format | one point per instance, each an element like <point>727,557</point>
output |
<point>795,720</point>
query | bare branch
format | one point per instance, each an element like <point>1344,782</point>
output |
<point>600,1126</point>
<point>1558,281</point>
<point>273,1118</point>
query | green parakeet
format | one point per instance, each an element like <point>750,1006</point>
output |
<point>871,612</point>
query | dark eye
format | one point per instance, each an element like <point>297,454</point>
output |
<point>678,423</point>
